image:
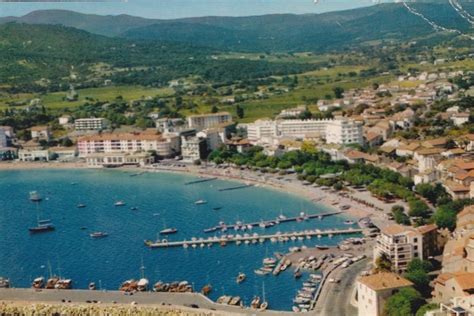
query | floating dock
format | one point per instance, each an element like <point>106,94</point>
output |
<point>200,181</point>
<point>268,223</point>
<point>224,240</point>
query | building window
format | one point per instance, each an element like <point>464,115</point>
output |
<point>415,239</point>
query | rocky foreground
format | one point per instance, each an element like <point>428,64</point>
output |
<point>18,309</point>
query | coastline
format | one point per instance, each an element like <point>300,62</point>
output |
<point>315,194</point>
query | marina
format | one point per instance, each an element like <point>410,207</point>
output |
<point>164,202</point>
<point>224,240</point>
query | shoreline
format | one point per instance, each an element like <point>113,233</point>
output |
<point>315,195</point>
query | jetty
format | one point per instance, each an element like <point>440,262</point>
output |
<point>254,238</point>
<point>268,223</point>
<point>236,188</point>
<point>200,181</point>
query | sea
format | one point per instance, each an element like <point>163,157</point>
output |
<point>162,200</point>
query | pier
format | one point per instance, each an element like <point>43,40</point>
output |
<point>200,181</point>
<point>236,188</point>
<point>224,240</point>
<point>268,223</point>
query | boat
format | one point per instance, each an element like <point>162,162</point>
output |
<point>81,205</point>
<point>134,208</point>
<point>255,304</point>
<point>269,261</point>
<point>264,304</point>
<point>241,277</point>
<point>120,203</point>
<point>295,309</point>
<point>168,231</point>
<point>261,272</point>
<point>51,283</point>
<point>200,202</point>
<point>92,286</point>
<point>217,208</point>
<point>322,247</point>
<point>38,283</point>
<point>349,222</point>
<point>142,285</point>
<point>43,226</point>
<point>4,283</point>
<point>235,301</point>
<point>99,235</point>
<point>298,274</point>
<point>63,284</point>
<point>35,196</point>
<point>206,289</point>
<point>128,285</point>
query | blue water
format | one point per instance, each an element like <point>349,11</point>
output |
<point>73,254</point>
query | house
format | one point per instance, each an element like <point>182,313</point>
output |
<point>374,290</point>
<point>406,150</point>
<point>403,120</point>
<point>460,118</point>
<point>65,119</point>
<point>40,133</point>
<point>453,285</point>
<point>64,153</point>
<point>402,244</point>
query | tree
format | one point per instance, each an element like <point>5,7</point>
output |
<point>404,303</point>
<point>214,109</point>
<point>417,272</point>
<point>338,92</point>
<point>382,263</point>
<point>240,112</point>
<point>426,308</point>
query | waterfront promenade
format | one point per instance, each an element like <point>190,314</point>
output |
<point>187,303</point>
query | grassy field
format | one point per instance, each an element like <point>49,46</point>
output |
<point>56,100</point>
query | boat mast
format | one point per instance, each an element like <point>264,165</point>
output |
<point>142,269</point>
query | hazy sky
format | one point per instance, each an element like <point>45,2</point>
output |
<point>167,9</point>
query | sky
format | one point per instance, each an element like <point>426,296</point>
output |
<point>169,9</point>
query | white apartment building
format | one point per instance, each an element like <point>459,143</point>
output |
<point>192,148</point>
<point>209,120</point>
<point>34,154</point>
<point>90,124</point>
<point>3,139</point>
<point>402,244</point>
<point>165,145</point>
<point>341,131</point>
<point>302,128</point>
<point>344,132</point>
<point>294,112</point>
<point>261,131</point>
<point>214,137</point>
<point>374,290</point>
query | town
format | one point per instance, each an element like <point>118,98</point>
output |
<point>358,156</point>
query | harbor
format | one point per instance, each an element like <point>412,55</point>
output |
<point>254,238</point>
<point>275,210</point>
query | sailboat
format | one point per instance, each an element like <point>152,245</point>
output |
<point>168,231</point>
<point>35,196</point>
<point>42,226</point>
<point>142,284</point>
<point>264,305</point>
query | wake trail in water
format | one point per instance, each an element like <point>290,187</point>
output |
<point>434,25</point>
<point>462,12</point>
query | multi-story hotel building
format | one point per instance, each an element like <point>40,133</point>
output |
<point>90,124</point>
<point>402,244</point>
<point>165,145</point>
<point>344,132</point>
<point>204,121</point>
<point>340,131</point>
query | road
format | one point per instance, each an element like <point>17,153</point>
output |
<point>335,297</point>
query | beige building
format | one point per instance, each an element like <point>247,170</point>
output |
<point>99,160</point>
<point>402,244</point>
<point>41,133</point>
<point>165,145</point>
<point>204,121</point>
<point>374,290</point>
<point>450,285</point>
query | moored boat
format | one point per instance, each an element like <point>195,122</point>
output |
<point>142,285</point>
<point>200,202</point>
<point>63,284</point>
<point>4,283</point>
<point>168,231</point>
<point>38,283</point>
<point>98,235</point>
<point>92,286</point>
<point>51,283</point>
<point>43,226</point>
<point>120,203</point>
<point>206,290</point>
<point>35,196</point>
<point>241,277</point>
<point>81,205</point>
